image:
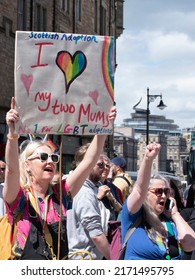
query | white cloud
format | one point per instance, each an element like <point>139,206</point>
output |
<point>157,50</point>
<point>171,46</point>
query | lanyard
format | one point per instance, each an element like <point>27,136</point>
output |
<point>43,218</point>
<point>169,227</point>
<point>42,214</point>
<point>36,205</point>
<point>166,240</point>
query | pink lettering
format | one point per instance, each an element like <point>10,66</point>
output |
<point>59,108</point>
<point>39,64</point>
<point>24,130</point>
<point>46,129</point>
<point>43,96</point>
<point>67,129</point>
<point>92,116</point>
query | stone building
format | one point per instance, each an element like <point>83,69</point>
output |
<point>126,146</point>
<point>160,161</point>
<point>164,131</point>
<point>95,17</point>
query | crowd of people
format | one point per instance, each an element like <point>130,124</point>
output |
<point>80,205</point>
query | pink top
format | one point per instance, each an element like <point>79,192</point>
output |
<point>46,210</point>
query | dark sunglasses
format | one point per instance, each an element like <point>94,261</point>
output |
<point>101,165</point>
<point>159,191</point>
<point>2,168</point>
<point>44,157</point>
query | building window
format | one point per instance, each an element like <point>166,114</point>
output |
<point>116,150</point>
<point>78,4</point>
<point>96,16</point>
<point>62,5</point>
<point>41,18</point>
<point>102,20</point>
<point>44,23</point>
<point>21,15</point>
<point>65,6</point>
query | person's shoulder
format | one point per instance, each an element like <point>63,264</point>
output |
<point>127,176</point>
<point>186,212</point>
<point>122,179</point>
<point>86,191</point>
<point>119,176</point>
<point>119,180</point>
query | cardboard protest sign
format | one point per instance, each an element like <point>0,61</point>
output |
<point>64,83</point>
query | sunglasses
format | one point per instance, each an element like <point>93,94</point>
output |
<point>101,165</point>
<point>159,191</point>
<point>44,157</point>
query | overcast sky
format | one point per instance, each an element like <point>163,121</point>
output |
<point>157,50</point>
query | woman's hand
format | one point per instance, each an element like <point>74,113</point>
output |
<point>152,150</point>
<point>12,116</point>
<point>112,114</point>
<point>102,191</point>
<point>172,207</point>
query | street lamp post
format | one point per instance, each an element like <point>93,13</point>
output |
<point>161,106</point>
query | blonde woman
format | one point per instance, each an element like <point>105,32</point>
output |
<point>28,190</point>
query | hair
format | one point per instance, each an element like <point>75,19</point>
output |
<point>3,162</point>
<point>105,157</point>
<point>79,155</point>
<point>27,151</point>
<point>56,174</point>
<point>191,196</point>
<point>120,162</point>
<point>180,205</point>
<point>112,170</point>
<point>2,176</point>
<point>151,220</point>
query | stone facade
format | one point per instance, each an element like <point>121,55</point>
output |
<point>92,17</point>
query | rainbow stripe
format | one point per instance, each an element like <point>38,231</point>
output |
<point>108,64</point>
<point>52,145</point>
<point>160,243</point>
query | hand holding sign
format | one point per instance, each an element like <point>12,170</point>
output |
<point>12,116</point>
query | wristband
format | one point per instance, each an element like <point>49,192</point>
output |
<point>12,137</point>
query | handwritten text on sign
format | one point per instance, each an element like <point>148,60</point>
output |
<point>64,83</point>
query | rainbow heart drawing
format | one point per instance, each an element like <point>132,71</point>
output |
<point>108,64</point>
<point>71,66</point>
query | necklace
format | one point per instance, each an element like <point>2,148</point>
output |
<point>166,244</point>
